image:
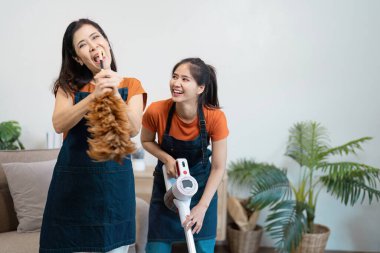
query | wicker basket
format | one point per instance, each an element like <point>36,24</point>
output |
<point>244,241</point>
<point>316,242</point>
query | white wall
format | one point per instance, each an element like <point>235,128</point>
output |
<point>278,63</point>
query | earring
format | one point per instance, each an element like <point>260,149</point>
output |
<point>78,61</point>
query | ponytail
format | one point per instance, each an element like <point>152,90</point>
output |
<point>209,97</point>
<point>203,74</point>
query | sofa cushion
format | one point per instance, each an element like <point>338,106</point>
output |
<point>28,184</point>
<point>19,242</point>
<point>13,242</point>
<point>7,213</point>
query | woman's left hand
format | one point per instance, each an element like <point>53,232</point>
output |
<point>196,217</point>
<point>108,78</point>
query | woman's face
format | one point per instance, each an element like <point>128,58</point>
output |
<point>183,86</point>
<point>87,42</point>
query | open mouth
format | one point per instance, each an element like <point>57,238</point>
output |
<point>99,56</point>
<point>178,92</point>
<point>96,59</point>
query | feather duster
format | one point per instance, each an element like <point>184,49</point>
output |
<point>109,127</point>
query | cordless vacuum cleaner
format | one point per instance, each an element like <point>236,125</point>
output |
<point>178,195</point>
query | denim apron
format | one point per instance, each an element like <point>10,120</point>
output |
<point>91,205</point>
<point>164,224</point>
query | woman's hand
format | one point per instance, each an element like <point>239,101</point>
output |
<point>196,217</point>
<point>171,167</point>
<point>106,81</point>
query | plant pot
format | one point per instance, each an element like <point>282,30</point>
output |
<point>244,241</point>
<point>316,242</point>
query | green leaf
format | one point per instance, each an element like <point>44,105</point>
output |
<point>10,131</point>
<point>306,141</point>
<point>20,144</point>
<point>244,172</point>
<point>344,170</point>
<point>286,224</point>
<point>353,186</point>
<point>348,148</point>
<point>270,186</point>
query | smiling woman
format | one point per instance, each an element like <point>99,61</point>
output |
<point>90,204</point>
<point>80,55</point>
<point>87,41</point>
<point>184,124</point>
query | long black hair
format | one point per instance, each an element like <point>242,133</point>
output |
<point>73,76</point>
<point>203,74</point>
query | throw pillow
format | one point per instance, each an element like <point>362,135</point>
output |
<point>29,184</point>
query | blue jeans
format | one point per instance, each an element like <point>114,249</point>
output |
<point>201,246</point>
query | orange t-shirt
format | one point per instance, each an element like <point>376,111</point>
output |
<point>133,85</point>
<point>156,115</point>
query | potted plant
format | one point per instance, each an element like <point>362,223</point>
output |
<point>291,218</point>
<point>138,159</point>
<point>10,132</point>
<point>244,235</point>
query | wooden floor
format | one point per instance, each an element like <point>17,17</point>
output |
<point>181,248</point>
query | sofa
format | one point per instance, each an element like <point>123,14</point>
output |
<point>12,241</point>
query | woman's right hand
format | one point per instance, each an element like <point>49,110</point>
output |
<point>100,90</point>
<point>171,167</point>
<point>106,81</point>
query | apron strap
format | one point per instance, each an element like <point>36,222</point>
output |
<point>168,125</point>
<point>169,120</point>
<point>203,133</point>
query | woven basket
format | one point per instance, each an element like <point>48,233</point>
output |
<point>316,242</point>
<point>244,241</point>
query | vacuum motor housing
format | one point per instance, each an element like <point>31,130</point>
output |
<point>184,187</point>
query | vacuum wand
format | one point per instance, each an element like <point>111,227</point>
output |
<point>178,196</point>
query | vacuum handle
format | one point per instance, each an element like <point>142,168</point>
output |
<point>182,167</point>
<point>182,170</point>
<point>168,181</point>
